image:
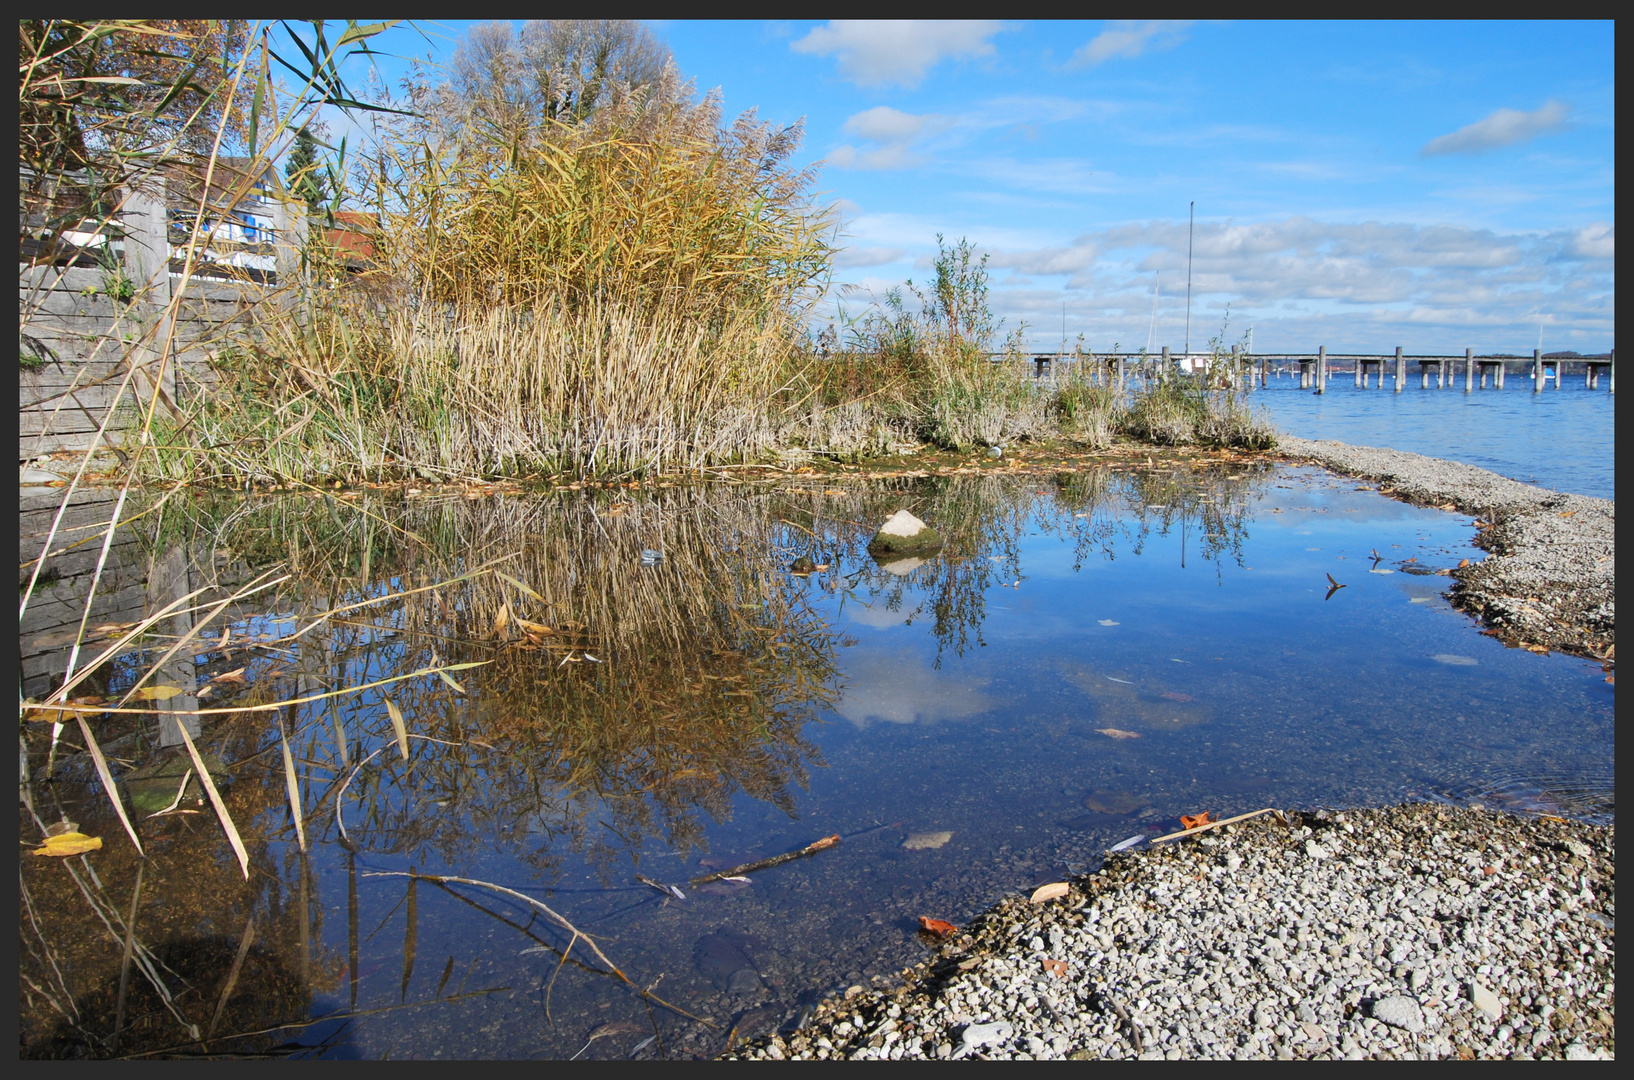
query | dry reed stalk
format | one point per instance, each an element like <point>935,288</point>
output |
<point>293,787</point>
<point>209,784</point>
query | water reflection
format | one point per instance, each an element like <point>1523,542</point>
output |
<point>669,717</point>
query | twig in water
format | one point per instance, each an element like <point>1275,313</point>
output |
<point>560,920</point>
<point>762,864</point>
<point>244,944</point>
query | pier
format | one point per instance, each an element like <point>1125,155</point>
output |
<point>1316,370</point>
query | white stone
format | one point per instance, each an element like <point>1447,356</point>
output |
<point>1485,1000</point>
<point>1400,1011</point>
<point>902,523</point>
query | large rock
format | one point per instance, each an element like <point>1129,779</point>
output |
<point>903,535</point>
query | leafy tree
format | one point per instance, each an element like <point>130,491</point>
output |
<point>90,92</point>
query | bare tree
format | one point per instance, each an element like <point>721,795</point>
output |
<point>509,88</point>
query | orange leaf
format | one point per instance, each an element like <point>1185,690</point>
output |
<point>935,927</point>
<point>825,842</point>
<point>1191,821</point>
<point>1057,968</point>
<point>1462,563</point>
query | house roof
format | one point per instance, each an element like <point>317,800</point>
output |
<point>353,234</point>
<point>183,182</point>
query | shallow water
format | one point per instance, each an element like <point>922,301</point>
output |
<point>1091,656</point>
<point>1561,439</point>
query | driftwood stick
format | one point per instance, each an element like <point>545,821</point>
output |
<point>777,860</point>
<point>1217,824</point>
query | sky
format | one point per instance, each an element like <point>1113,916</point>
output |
<point>1357,185</point>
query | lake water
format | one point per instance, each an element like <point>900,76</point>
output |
<point>1093,654</point>
<point>1561,439</point>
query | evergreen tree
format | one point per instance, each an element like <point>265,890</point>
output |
<point>304,172</point>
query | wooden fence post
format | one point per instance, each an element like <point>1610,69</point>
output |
<point>147,264</point>
<point>289,224</point>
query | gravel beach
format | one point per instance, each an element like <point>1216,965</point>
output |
<point>1416,931</point>
<point>1551,581</point>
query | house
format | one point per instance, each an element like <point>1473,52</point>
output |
<point>241,236</point>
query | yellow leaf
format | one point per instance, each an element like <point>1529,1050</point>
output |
<point>398,726</point>
<point>69,843</point>
<point>159,693</point>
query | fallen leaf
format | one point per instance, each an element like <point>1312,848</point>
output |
<point>1054,890</point>
<point>1568,513</point>
<point>825,842</point>
<point>69,843</point>
<point>236,676</point>
<point>159,693</point>
<point>935,927</point>
<point>1117,733</point>
<point>1191,821</point>
<point>1462,563</point>
<point>1058,968</point>
<point>927,841</point>
<point>1173,696</point>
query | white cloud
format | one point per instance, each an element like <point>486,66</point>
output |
<point>901,688</point>
<point>857,258</point>
<point>1130,38</point>
<point>1597,241</point>
<point>894,156</point>
<point>882,52</point>
<point>1054,260</point>
<point>1502,128</point>
<point>885,124</point>
<point>1301,282</point>
<point>894,131</point>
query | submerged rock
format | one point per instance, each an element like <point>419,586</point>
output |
<point>154,786</point>
<point>903,535</point>
<point>722,958</point>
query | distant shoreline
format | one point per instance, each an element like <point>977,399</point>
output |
<point>1551,581</point>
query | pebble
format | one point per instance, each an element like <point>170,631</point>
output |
<point>1420,931</point>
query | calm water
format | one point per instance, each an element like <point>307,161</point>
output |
<point>1560,439</point>
<point>1091,656</point>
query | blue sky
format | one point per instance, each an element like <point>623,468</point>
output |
<point>1358,185</point>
